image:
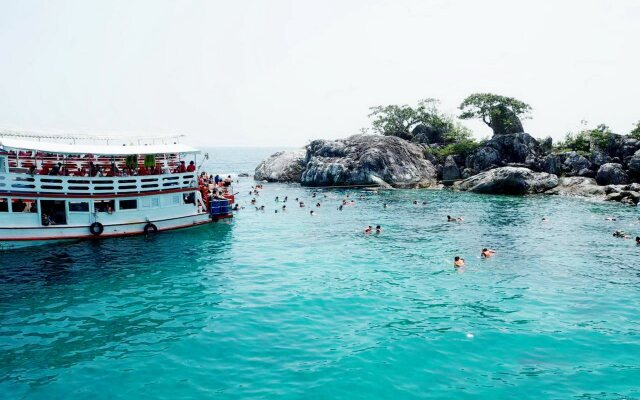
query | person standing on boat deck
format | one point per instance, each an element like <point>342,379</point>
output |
<point>191,167</point>
<point>216,179</point>
<point>55,170</point>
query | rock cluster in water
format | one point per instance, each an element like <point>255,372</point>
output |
<point>509,163</point>
<point>367,160</point>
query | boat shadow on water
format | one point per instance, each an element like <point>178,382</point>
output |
<point>52,261</point>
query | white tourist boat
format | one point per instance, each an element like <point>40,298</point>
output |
<point>76,187</point>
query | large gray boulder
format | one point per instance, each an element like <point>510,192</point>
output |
<point>577,186</point>
<point>611,174</point>
<point>509,180</point>
<point>284,166</point>
<point>513,148</point>
<point>574,163</point>
<point>450,171</point>
<point>367,160</point>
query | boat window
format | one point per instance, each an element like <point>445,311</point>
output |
<point>128,204</point>
<point>106,206</point>
<point>24,205</point>
<point>78,206</point>
<point>189,198</point>
<point>4,205</point>
<point>53,212</point>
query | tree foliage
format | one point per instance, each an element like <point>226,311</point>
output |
<point>635,133</point>
<point>587,140</point>
<point>401,120</point>
<point>502,114</point>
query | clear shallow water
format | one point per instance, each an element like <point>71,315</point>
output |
<point>288,305</point>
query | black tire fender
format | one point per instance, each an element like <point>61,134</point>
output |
<point>96,229</point>
<point>149,227</point>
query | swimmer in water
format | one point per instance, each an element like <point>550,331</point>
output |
<point>621,234</point>
<point>236,207</point>
<point>458,262</point>
<point>378,229</point>
<point>286,198</point>
<point>277,198</point>
<point>311,212</point>
<point>384,205</point>
<point>317,204</point>
<point>276,211</point>
<point>284,208</point>
<point>638,240</point>
<point>253,201</point>
<point>367,229</point>
<point>544,219</point>
<point>458,219</point>
<point>610,219</point>
<point>340,207</point>
<point>486,253</point>
<point>302,204</point>
<point>415,202</point>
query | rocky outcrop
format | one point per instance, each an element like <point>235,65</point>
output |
<point>634,164</point>
<point>551,164</point>
<point>611,174</point>
<point>577,186</point>
<point>450,171</point>
<point>367,160</point>
<point>629,194</point>
<point>504,121</point>
<point>509,180</point>
<point>423,133</point>
<point>284,166</point>
<point>575,164</point>
<point>500,150</point>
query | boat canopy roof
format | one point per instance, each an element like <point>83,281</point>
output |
<point>21,144</point>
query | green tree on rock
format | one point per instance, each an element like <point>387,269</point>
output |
<point>635,133</point>
<point>423,123</point>
<point>502,114</point>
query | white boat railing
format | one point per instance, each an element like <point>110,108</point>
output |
<point>52,184</point>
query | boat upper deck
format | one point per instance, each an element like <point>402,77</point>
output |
<point>67,165</point>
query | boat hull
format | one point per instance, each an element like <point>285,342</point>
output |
<point>37,236</point>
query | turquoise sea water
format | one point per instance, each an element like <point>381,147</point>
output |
<point>289,305</point>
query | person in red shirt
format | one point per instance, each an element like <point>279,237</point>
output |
<point>191,167</point>
<point>182,168</point>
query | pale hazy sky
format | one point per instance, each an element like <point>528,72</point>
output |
<point>283,72</point>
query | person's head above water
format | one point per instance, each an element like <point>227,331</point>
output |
<point>485,250</point>
<point>456,258</point>
<point>638,239</point>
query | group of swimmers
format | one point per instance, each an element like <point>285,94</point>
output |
<point>485,253</point>
<point>368,229</point>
